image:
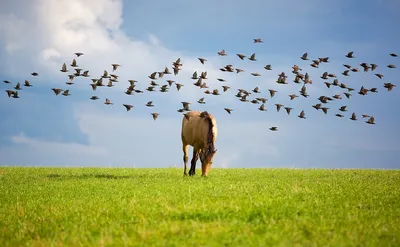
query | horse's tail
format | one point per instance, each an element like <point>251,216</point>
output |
<point>211,135</point>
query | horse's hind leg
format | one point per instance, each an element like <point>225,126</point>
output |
<point>185,149</point>
<point>195,157</point>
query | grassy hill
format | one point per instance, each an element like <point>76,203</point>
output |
<point>232,207</point>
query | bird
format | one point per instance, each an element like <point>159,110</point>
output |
<point>178,86</point>
<point>228,110</point>
<point>215,92</point>
<point>328,85</point>
<point>274,128</point>
<point>347,95</point>
<point>177,63</point>
<point>115,66</point>
<point>155,115</point>
<point>253,57</point>
<point>57,91</point>
<point>108,102</point>
<point>201,101</point>
<point>389,86</point>
<point>304,57</point>
<point>27,84</point>
<point>262,107</point>
<point>350,55</point>
<point>339,115</point>
<point>14,95</point>
<point>222,53</point>
<point>268,67</point>
<point>225,88</point>
<point>241,56</point>
<point>10,93</point>
<point>128,107</point>
<point>78,54</point>
<point>371,120</point>
<point>347,66</point>
<point>393,54</point>
<point>239,70</point>
<point>150,104</point>
<point>353,117</point>
<point>153,76</point>
<point>110,84</point>
<point>258,40</point>
<point>35,74</point>
<point>94,98</point>
<point>202,60</point>
<point>73,64</point>
<point>272,92</point>
<point>317,106</point>
<point>302,114</point>
<point>66,93</point>
<point>343,108</point>
<point>288,109</point>
<point>64,68</point>
<point>278,107</point>
<point>293,96</point>
<point>185,105</point>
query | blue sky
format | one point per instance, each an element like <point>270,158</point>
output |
<point>145,36</point>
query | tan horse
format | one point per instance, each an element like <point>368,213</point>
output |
<point>199,130</point>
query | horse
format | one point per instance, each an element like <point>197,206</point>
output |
<point>199,130</point>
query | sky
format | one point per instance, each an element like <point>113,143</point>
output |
<point>42,129</point>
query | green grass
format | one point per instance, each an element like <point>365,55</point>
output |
<point>232,207</point>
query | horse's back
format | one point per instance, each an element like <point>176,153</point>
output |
<point>194,128</point>
<point>189,124</point>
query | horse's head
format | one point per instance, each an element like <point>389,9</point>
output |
<point>206,158</point>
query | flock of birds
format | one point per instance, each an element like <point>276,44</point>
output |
<point>242,94</point>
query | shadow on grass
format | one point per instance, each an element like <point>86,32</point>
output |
<point>253,216</point>
<point>88,176</point>
<point>198,216</point>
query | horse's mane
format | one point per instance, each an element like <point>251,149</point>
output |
<point>209,149</point>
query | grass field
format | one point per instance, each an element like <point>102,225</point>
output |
<point>232,207</point>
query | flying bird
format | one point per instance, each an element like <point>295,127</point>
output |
<point>371,120</point>
<point>128,107</point>
<point>202,60</point>
<point>155,115</point>
<point>228,110</point>
<point>350,55</point>
<point>66,93</point>
<point>302,115</point>
<point>108,102</point>
<point>57,91</point>
<point>115,66</point>
<point>64,68</point>
<point>222,53</point>
<point>304,57</point>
